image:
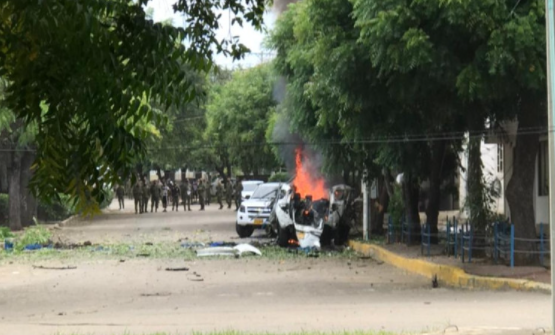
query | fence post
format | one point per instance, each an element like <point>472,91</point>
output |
<point>409,233</point>
<point>448,237</point>
<point>470,240</point>
<point>462,243</point>
<point>512,245</point>
<point>456,238</point>
<point>495,245</point>
<point>429,237</point>
<point>421,240</point>
<point>389,232</point>
<point>541,243</point>
<point>403,230</point>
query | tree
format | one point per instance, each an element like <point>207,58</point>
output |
<point>238,114</point>
<point>97,65</point>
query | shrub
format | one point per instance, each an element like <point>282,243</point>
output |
<point>56,211</point>
<point>36,234</point>
<point>5,233</point>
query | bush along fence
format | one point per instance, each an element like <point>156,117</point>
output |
<point>461,240</point>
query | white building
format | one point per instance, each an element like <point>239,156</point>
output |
<point>497,158</point>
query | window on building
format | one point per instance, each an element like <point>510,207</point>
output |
<point>500,157</point>
<point>543,169</point>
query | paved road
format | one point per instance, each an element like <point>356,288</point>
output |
<point>325,294</point>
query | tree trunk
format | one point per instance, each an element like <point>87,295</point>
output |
<point>4,159</point>
<point>411,194</point>
<point>28,201</point>
<point>434,195</point>
<point>14,211</point>
<point>520,190</point>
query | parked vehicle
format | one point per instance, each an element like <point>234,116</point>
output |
<point>313,223</point>
<point>249,186</point>
<point>255,211</point>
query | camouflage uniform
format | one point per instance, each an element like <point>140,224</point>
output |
<point>238,193</point>
<point>154,196</point>
<point>120,192</point>
<point>186,195</point>
<point>138,197</point>
<point>228,193</point>
<point>201,190</point>
<point>175,197</point>
<point>219,194</point>
<point>145,198</point>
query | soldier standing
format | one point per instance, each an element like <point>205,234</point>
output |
<point>219,193</point>
<point>228,193</point>
<point>120,192</point>
<point>138,197</point>
<point>200,190</point>
<point>186,195</point>
<point>175,197</point>
<point>154,196</point>
<point>145,198</point>
<point>165,190</point>
<point>238,193</point>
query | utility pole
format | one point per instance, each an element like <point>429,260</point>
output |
<point>366,229</point>
<point>550,41</point>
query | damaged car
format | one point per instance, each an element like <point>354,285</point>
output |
<point>313,223</point>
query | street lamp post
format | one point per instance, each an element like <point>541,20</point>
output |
<point>550,39</point>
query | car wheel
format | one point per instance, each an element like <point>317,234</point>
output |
<point>244,231</point>
<point>326,237</point>
<point>283,236</point>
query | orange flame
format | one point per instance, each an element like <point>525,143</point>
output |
<point>306,184</point>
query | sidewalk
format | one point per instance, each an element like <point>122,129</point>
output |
<point>479,266</point>
<point>480,274</point>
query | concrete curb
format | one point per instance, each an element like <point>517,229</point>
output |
<point>447,274</point>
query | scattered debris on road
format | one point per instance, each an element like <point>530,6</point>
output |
<point>54,267</point>
<point>195,277</point>
<point>157,294</point>
<point>177,269</point>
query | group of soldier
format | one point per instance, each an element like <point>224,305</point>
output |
<point>169,192</point>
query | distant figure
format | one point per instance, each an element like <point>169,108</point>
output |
<point>238,193</point>
<point>138,197</point>
<point>165,190</point>
<point>228,193</point>
<point>145,197</point>
<point>175,197</point>
<point>219,193</point>
<point>186,195</point>
<point>201,191</point>
<point>154,196</point>
<point>120,193</point>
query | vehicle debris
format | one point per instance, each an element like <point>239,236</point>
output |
<point>313,223</point>
<point>235,251</point>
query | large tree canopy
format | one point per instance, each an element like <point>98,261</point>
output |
<point>238,114</point>
<point>97,65</point>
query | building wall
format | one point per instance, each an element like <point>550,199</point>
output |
<point>492,171</point>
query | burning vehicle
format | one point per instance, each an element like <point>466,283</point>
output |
<point>307,214</point>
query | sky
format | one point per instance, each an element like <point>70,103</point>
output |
<point>247,34</point>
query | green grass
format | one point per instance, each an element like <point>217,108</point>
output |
<point>144,251</point>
